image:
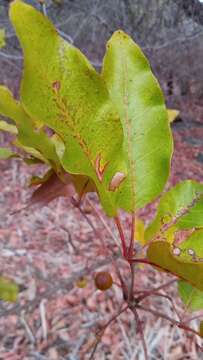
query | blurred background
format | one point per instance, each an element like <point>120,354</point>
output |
<point>169,31</point>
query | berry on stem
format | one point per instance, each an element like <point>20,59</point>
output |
<point>103,280</point>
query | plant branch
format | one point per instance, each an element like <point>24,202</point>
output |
<point>101,333</point>
<point>97,233</point>
<point>122,236</point>
<point>77,205</point>
<point>155,290</point>
<point>156,313</point>
<point>98,215</point>
<point>140,330</point>
<point>132,270</point>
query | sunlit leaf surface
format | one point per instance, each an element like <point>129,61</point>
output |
<point>140,103</point>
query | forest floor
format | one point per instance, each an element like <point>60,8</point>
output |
<point>47,251</point>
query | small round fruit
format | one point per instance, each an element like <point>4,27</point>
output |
<point>103,280</point>
<point>81,283</point>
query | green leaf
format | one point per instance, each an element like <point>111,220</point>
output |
<point>173,202</point>
<point>32,161</point>
<point>8,290</point>
<point>191,249</point>
<point>31,151</point>
<point>62,89</point>
<point>179,263</point>
<point>6,153</point>
<point>192,298</point>
<point>9,107</point>
<point>140,103</point>
<point>2,38</point>
<point>5,126</point>
<point>31,139</point>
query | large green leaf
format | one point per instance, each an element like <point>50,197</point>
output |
<point>32,140</point>
<point>8,290</point>
<point>179,260</point>
<point>173,202</point>
<point>192,298</point>
<point>62,89</point>
<point>140,103</point>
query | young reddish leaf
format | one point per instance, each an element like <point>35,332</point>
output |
<point>8,290</point>
<point>180,199</point>
<point>71,98</point>
<point>140,103</point>
<point>51,189</point>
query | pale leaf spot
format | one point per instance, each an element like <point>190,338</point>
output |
<point>176,251</point>
<point>56,85</point>
<point>191,252</point>
<point>116,181</point>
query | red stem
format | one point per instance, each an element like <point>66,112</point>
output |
<point>155,290</point>
<point>122,236</point>
<point>140,330</point>
<point>166,317</point>
<point>114,317</point>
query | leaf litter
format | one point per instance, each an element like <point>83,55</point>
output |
<point>47,251</point>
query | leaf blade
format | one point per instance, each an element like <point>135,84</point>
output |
<point>12,129</point>
<point>71,98</point>
<point>172,202</point>
<point>161,253</point>
<point>140,104</point>
<point>32,140</point>
<point>191,297</point>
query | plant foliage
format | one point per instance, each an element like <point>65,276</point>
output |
<point>107,133</point>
